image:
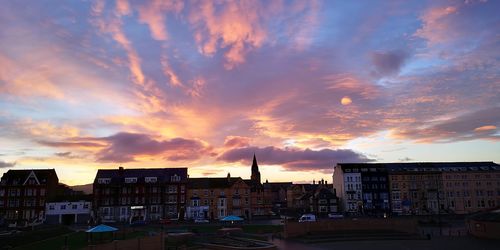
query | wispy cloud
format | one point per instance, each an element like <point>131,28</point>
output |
<point>4,164</point>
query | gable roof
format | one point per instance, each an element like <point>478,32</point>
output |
<point>19,176</point>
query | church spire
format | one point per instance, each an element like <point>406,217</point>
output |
<point>255,171</point>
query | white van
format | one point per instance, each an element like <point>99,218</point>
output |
<point>307,218</point>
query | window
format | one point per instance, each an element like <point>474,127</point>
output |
<point>51,207</point>
<point>104,180</point>
<point>63,207</point>
<point>74,206</point>
<point>85,206</point>
<point>172,189</point>
<point>131,180</point>
<point>183,189</point>
<point>175,178</point>
<point>221,202</point>
<point>150,179</point>
<point>468,204</point>
<point>195,202</point>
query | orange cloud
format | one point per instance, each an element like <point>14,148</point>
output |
<point>28,80</point>
<point>153,14</point>
<point>236,26</point>
<point>485,128</point>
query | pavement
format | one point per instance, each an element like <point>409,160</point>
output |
<point>436,243</point>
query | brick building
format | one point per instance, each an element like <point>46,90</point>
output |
<point>140,194</point>
<point>23,194</point>
<point>215,198</point>
<point>423,188</point>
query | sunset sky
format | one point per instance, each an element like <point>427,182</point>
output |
<point>206,84</point>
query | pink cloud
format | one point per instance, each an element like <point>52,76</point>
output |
<point>435,27</point>
<point>236,141</point>
<point>294,159</point>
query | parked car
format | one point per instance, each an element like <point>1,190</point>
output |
<point>335,216</point>
<point>307,218</point>
<point>201,221</point>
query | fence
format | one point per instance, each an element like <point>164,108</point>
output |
<point>294,229</point>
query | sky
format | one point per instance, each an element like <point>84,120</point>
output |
<point>87,85</point>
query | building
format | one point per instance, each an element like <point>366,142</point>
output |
<point>276,194</point>
<point>23,194</point>
<point>140,194</point>
<point>420,188</point>
<point>319,199</point>
<point>372,198</point>
<point>68,212</point>
<point>215,198</point>
<point>415,192</point>
<point>261,204</point>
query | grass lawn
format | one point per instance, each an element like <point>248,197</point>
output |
<point>75,240</point>
<point>55,237</point>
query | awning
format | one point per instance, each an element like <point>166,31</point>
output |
<point>231,218</point>
<point>102,229</point>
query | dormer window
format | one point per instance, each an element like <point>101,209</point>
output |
<point>131,180</point>
<point>175,178</point>
<point>104,180</point>
<point>150,179</point>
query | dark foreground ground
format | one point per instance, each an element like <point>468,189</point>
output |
<point>436,243</point>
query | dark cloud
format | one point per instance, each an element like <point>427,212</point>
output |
<point>68,155</point>
<point>4,164</point>
<point>405,159</point>
<point>294,159</point>
<point>388,63</point>
<point>474,125</point>
<point>123,147</point>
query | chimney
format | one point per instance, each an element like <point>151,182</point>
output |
<point>314,182</point>
<point>228,177</point>
<point>120,168</point>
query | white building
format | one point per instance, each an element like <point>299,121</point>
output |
<point>68,212</point>
<point>349,188</point>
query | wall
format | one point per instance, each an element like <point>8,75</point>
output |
<point>484,229</point>
<point>295,229</point>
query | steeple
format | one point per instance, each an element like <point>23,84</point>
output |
<point>255,177</point>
